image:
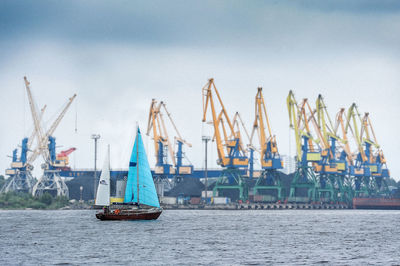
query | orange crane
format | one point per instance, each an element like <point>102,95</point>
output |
<point>62,160</point>
<point>231,153</point>
<point>162,142</point>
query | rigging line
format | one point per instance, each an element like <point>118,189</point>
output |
<point>23,104</point>
<point>76,117</point>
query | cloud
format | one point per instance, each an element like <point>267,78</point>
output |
<point>283,26</point>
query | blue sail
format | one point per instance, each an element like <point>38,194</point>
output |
<point>147,190</point>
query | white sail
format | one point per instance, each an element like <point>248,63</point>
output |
<point>103,189</point>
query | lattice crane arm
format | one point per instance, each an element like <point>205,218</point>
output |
<point>207,94</point>
<point>42,147</point>
<point>239,117</point>
<point>367,127</point>
<point>167,140</point>
<point>237,123</point>
<point>300,121</point>
<point>156,122</point>
<point>344,139</point>
<point>352,114</point>
<point>179,137</point>
<point>33,135</point>
<point>151,124</point>
<point>56,122</point>
<point>42,138</point>
<point>293,111</point>
<point>259,125</point>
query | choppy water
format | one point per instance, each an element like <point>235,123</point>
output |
<point>202,237</point>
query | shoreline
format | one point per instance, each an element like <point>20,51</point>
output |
<point>258,206</point>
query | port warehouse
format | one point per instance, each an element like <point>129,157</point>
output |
<point>327,168</point>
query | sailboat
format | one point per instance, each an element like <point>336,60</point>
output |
<point>141,200</point>
<point>103,188</point>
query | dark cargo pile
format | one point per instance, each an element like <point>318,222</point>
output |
<point>188,186</point>
<point>87,183</point>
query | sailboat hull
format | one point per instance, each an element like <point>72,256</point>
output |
<point>137,214</point>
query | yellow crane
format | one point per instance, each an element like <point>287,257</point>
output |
<point>162,142</point>
<point>307,154</point>
<point>231,153</point>
<point>268,148</point>
<point>332,169</point>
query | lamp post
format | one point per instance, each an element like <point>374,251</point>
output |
<point>95,137</point>
<point>206,139</point>
<point>81,190</point>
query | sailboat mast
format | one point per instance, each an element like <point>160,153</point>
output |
<point>137,164</point>
<point>109,160</point>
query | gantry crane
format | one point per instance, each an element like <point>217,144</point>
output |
<point>268,149</point>
<point>162,146</point>
<point>231,153</point>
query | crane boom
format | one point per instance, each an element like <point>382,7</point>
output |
<point>33,135</point>
<point>60,117</point>
<point>161,137</point>
<point>235,155</point>
<point>237,122</point>
<point>352,114</point>
<point>270,158</point>
<point>42,148</point>
<point>344,139</point>
<point>294,116</point>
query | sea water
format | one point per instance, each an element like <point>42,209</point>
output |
<point>202,237</point>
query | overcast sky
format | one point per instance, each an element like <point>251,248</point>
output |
<point>118,55</point>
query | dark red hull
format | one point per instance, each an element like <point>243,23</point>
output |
<point>376,203</point>
<point>131,215</point>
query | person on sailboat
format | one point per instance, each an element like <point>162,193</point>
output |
<point>135,203</point>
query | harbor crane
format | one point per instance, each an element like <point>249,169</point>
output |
<point>269,156</point>
<point>163,146</point>
<point>231,154</point>
<point>358,168</point>
<point>20,178</point>
<point>346,186</point>
<point>62,159</point>
<point>321,163</point>
<point>328,168</point>
<point>369,169</point>
<point>307,148</point>
<point>50,181</point>
<point>374,153</point>
<point>333,167</point>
